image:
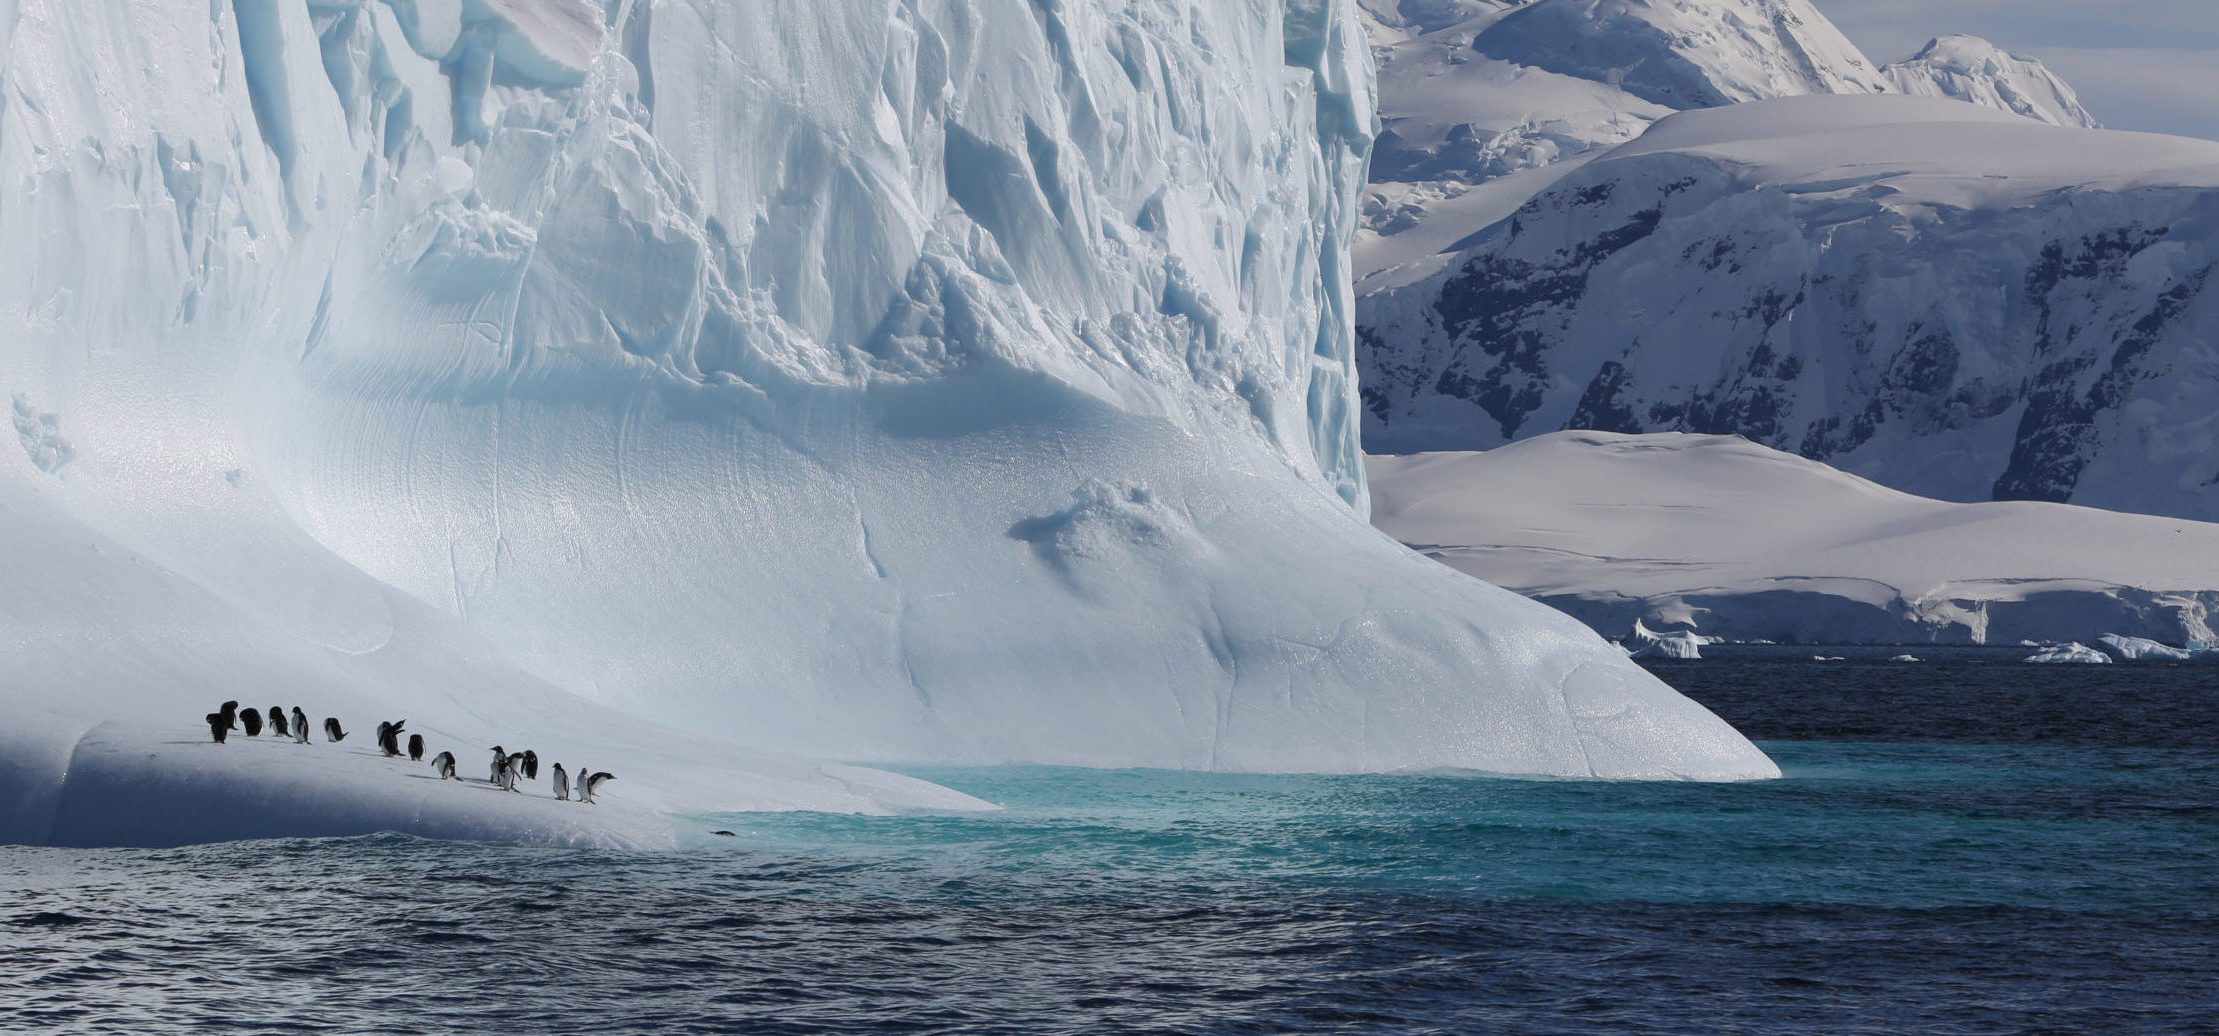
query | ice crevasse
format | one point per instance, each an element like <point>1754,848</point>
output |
<point>962,381</point>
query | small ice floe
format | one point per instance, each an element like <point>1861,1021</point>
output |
<point>2140,649</point>
<point>1648,643</point>
<point>1829,658</point>
<point>2073,652</point>
<point>1906,658</point>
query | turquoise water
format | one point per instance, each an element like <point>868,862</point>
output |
<point>2003,849</point>
<point>1925,826</point>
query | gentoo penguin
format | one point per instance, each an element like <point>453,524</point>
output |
<point>562,782</point>
<point>415,748</point>
<point>230,713</point>
<point>217,728</point>
<point>500,765</point>
<point>389,737</point>
<point>514,765</point>
<point>444,765</point>
<point>531,765</point>
<point>332,733</point>
<point>252,720</point>
<point>300,725</point>
<point>587,786</point>
<point>277,723</point>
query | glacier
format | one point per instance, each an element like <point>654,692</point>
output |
<point>715,387</point>
<point>1715,534</point>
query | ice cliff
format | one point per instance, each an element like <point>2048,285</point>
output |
<point>1942,297</point>
<point>967,380</point>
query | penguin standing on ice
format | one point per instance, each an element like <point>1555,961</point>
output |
<point>500,765</point>
<point>278,728</point>
<point>389,737</point>
<point>531,765</point>
<point>444,765</point>
<point>230,714</point>
<point>217,728</point>
<point>513,771</point>
<point>588,785</point>
<point>253,722</point>
<point>300,725</point>
<point>332,733</point>
<point>562,783</point>
<point>416,748</point>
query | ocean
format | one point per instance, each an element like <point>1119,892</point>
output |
<point>1965,844</point>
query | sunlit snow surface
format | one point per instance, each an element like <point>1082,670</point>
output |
<point>1722,535</point>
<point>959,381</point>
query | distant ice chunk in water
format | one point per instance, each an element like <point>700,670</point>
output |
<point>2073,652</point>
<point>2139,649</point>
<point>1648,643</point>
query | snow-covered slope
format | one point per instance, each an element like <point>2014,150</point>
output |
<point>1471,91</point>
<point>1686,54</point>
<point>1938,296</point>
<point>1474,90</point>
<point>952,381</point>
<point>1718,534</point>
<point>1972,69</point>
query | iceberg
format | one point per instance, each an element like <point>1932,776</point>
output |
<point>2068,654</point>
<point>1681,644</point>
<point>2140,649</point>
<point>707,388</point>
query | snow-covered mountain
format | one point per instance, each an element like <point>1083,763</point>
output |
<point>1685,54</point>
<point>1474,89</point>
<point>1972,69</point>
<point>965,381</point>
<point>1722,536</point>
<point>1939,296</point>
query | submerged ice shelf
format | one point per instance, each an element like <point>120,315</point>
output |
<point>967,382</point>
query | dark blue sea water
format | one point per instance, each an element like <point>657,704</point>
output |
<point>1966,845</point>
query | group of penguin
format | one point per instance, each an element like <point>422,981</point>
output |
<point>508,767</point>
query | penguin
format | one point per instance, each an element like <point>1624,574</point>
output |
<point>415,748</point>
<point>300,725</point>
<point>230,713</point>
<point>500,765</point>
<point>217,728</point>
<point>443,764</point>
<point>332,733</point>
<point>531,765</point>
<point>389,737</point>
<point>514,765</point>
<point>253,722</point>
<point>562,784</point>
<point>593,784</point>
<point>277,723</point>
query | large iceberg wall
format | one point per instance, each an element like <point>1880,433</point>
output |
<point>966,380</point>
